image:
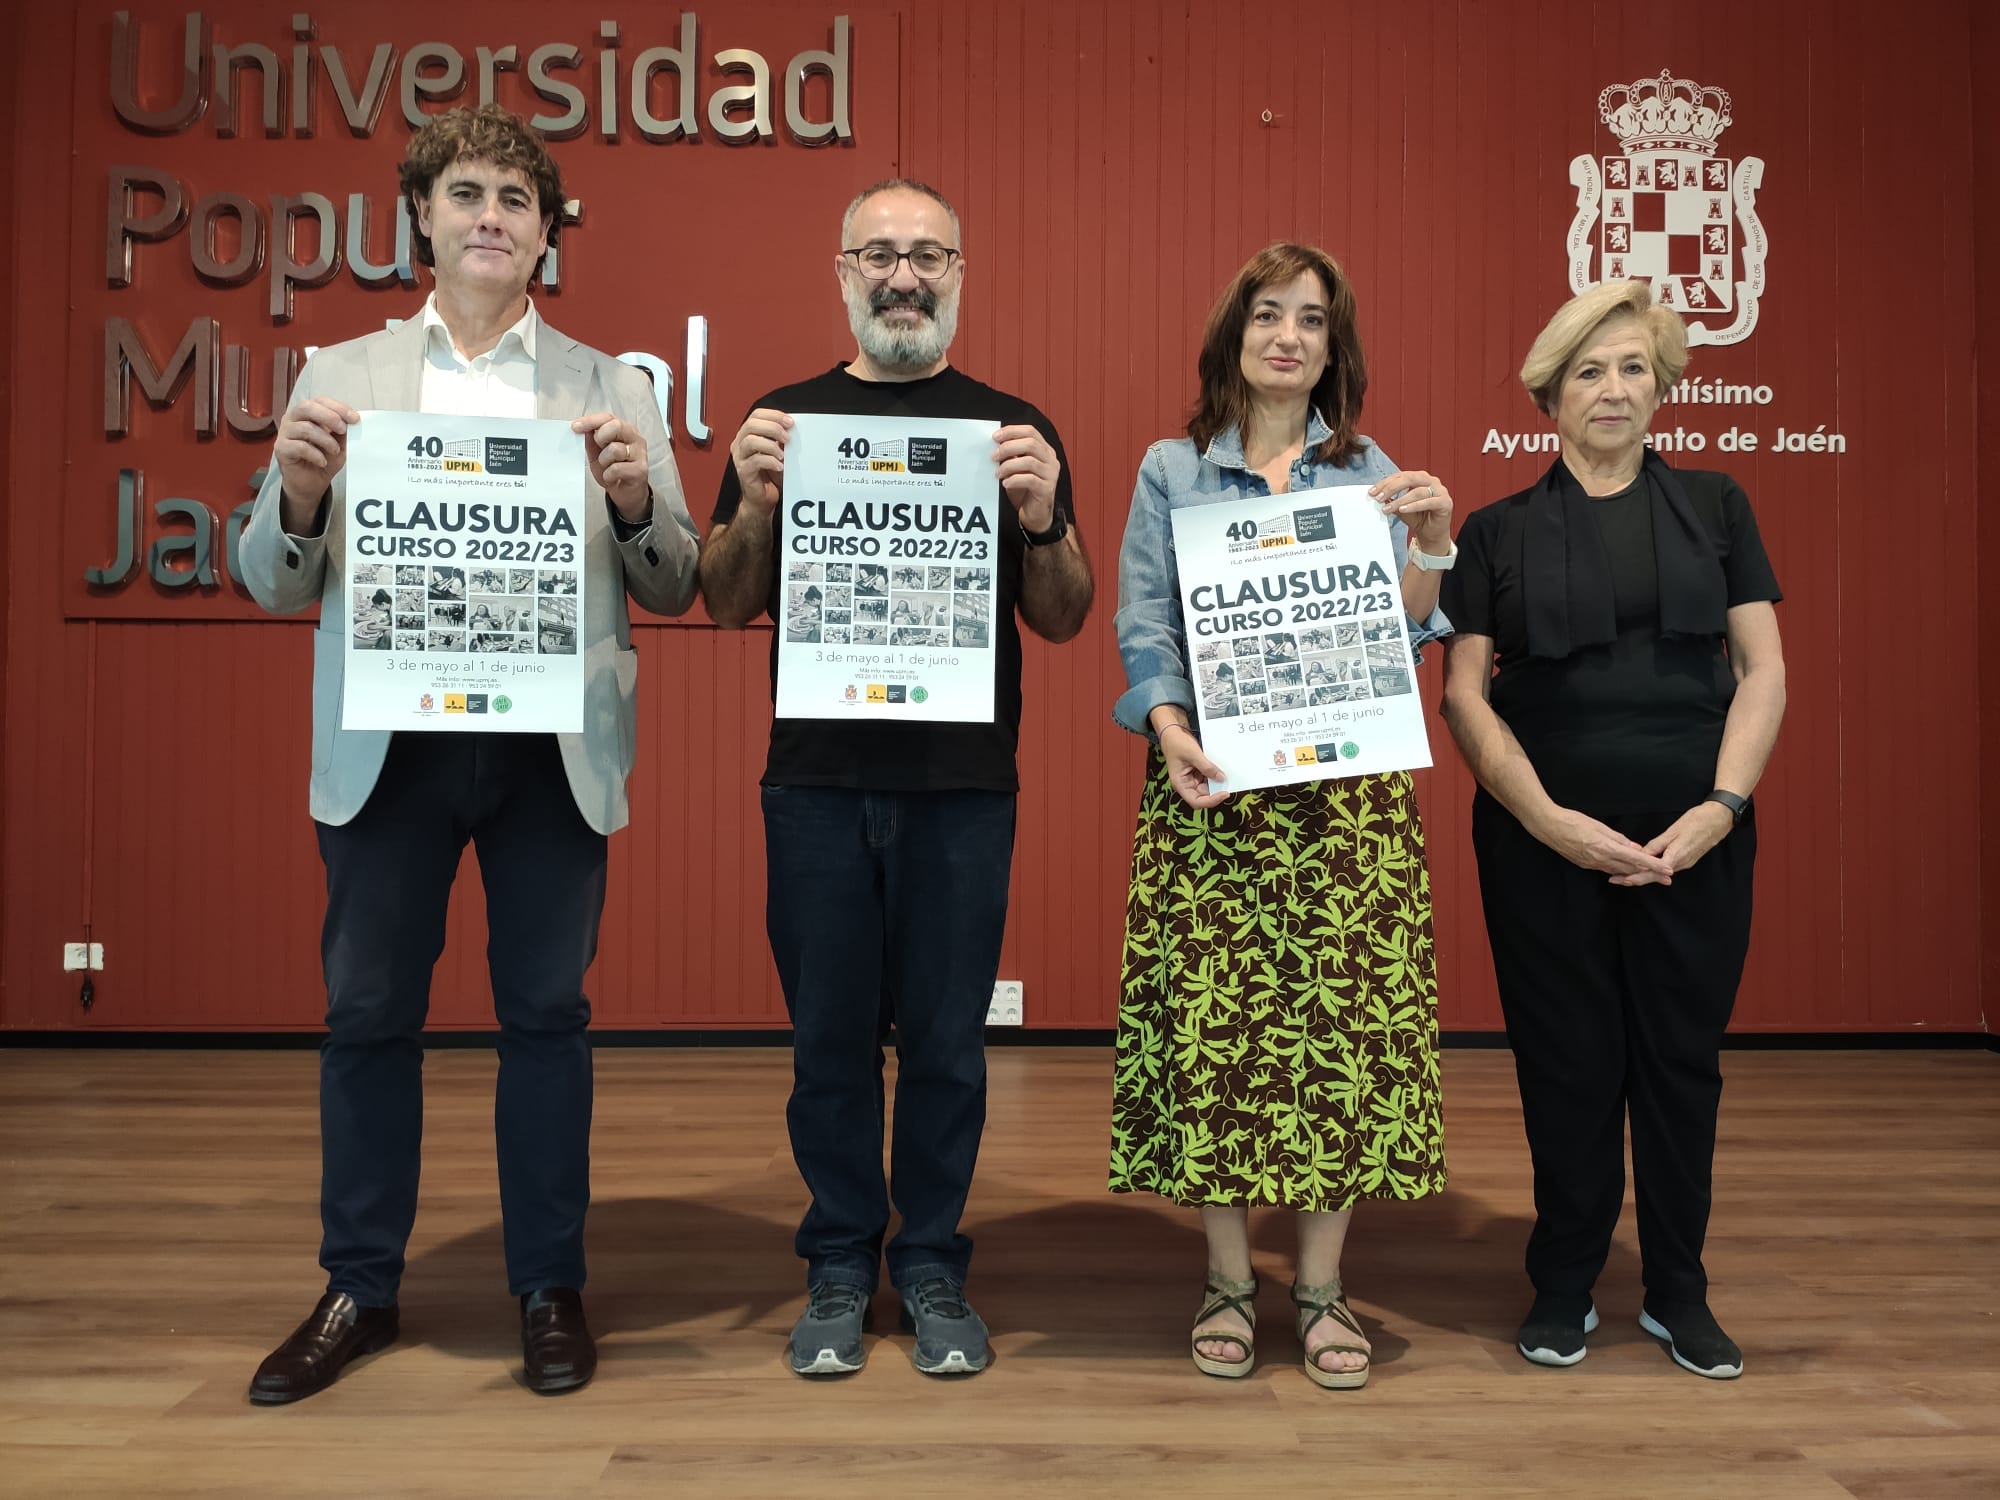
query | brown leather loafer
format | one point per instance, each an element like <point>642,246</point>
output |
<point>557,1351</point>
<point>340,1329</point>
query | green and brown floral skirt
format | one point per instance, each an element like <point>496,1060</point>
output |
<point>1277,1030</point>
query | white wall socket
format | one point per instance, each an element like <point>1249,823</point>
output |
<point>97,957</point>
<point>75,956</point>
<point>1006,1007</point>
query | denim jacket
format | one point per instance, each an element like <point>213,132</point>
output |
<point>1152,638</point>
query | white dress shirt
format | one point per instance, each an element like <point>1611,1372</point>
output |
<point>498,383</point>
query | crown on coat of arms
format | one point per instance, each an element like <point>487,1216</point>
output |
<point>1665,114</point>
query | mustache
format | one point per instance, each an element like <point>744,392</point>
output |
<point>923,301</point>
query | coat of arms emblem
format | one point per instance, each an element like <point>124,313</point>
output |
<point>1669,210</point>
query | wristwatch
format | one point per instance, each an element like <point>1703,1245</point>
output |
<point>1058,529</point>
<point>625,530</point>
<point>1426,563</point>
<point>1737,806</point>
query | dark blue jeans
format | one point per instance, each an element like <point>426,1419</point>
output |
<point>388,879</point>
<point>887,908</point>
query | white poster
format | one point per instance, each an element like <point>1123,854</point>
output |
<point>1298,647</point>
<point>888,573</point>
<point>465,576</point>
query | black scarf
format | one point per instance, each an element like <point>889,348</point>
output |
<point>1566,575</point>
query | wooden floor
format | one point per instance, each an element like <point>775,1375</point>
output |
<point>158,1227</point>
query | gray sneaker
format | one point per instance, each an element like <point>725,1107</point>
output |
<point>826,1340</point>
<point>950,1338</point>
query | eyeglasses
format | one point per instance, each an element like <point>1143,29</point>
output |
<point>879,262</point>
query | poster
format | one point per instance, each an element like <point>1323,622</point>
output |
<point>465,574</point>
<point>1298,646</point>
<point>888,569</point>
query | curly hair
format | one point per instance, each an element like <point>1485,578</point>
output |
<point>490,134</point>
<point>1224,402</point>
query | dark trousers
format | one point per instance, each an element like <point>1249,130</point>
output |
<point>1616,1000</point>
<point>388,878</point>
<point>887,908</point>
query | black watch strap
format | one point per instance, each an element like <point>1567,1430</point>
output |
<point>1737,806</point>
<point>1058,529</point>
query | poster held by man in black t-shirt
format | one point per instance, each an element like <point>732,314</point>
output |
<point>886,575</point>
<point>839,749</point>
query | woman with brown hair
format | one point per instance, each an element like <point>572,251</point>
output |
<point>1277,1030</point>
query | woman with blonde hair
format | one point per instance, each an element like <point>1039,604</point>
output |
<point>1615,685</point>
<point>1277,1031</point>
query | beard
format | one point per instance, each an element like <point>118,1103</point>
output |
<point>913,346</point>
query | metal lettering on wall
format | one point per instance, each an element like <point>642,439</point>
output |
<point>170,79</point>
<point>738,111</point>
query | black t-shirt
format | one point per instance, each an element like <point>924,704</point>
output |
<point>1634,725</point>
<point>887,754</point>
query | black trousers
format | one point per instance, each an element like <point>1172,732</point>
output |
<point>389,874</point>
<point>1616,1000</point>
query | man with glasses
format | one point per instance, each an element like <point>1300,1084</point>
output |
<point>889,843</point>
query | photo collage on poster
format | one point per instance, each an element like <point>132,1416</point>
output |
<point>1283,669</point>
<point>488,611</point>
<point>889,604</point>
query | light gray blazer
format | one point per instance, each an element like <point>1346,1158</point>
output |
<point>383,371</point>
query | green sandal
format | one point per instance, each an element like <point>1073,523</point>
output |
<point>1220,1294</point>
<point>1328,1301</point>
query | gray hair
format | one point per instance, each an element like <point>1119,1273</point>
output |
<point>895,185</point>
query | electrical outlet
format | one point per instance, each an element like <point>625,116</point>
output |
<point>1006,1008</point>
<point>75,956</point>
<point>97,957</point>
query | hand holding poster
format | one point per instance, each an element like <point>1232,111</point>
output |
<point>1297,644</point>
<point>465,577</point>
<point>887,568</point>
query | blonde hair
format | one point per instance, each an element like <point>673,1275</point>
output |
<point>1576,322</point>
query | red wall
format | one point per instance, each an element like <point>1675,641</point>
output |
<point>1985,56</point>
<point>1113,166</point>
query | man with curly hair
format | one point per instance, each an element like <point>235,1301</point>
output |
<point>393,813</point>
